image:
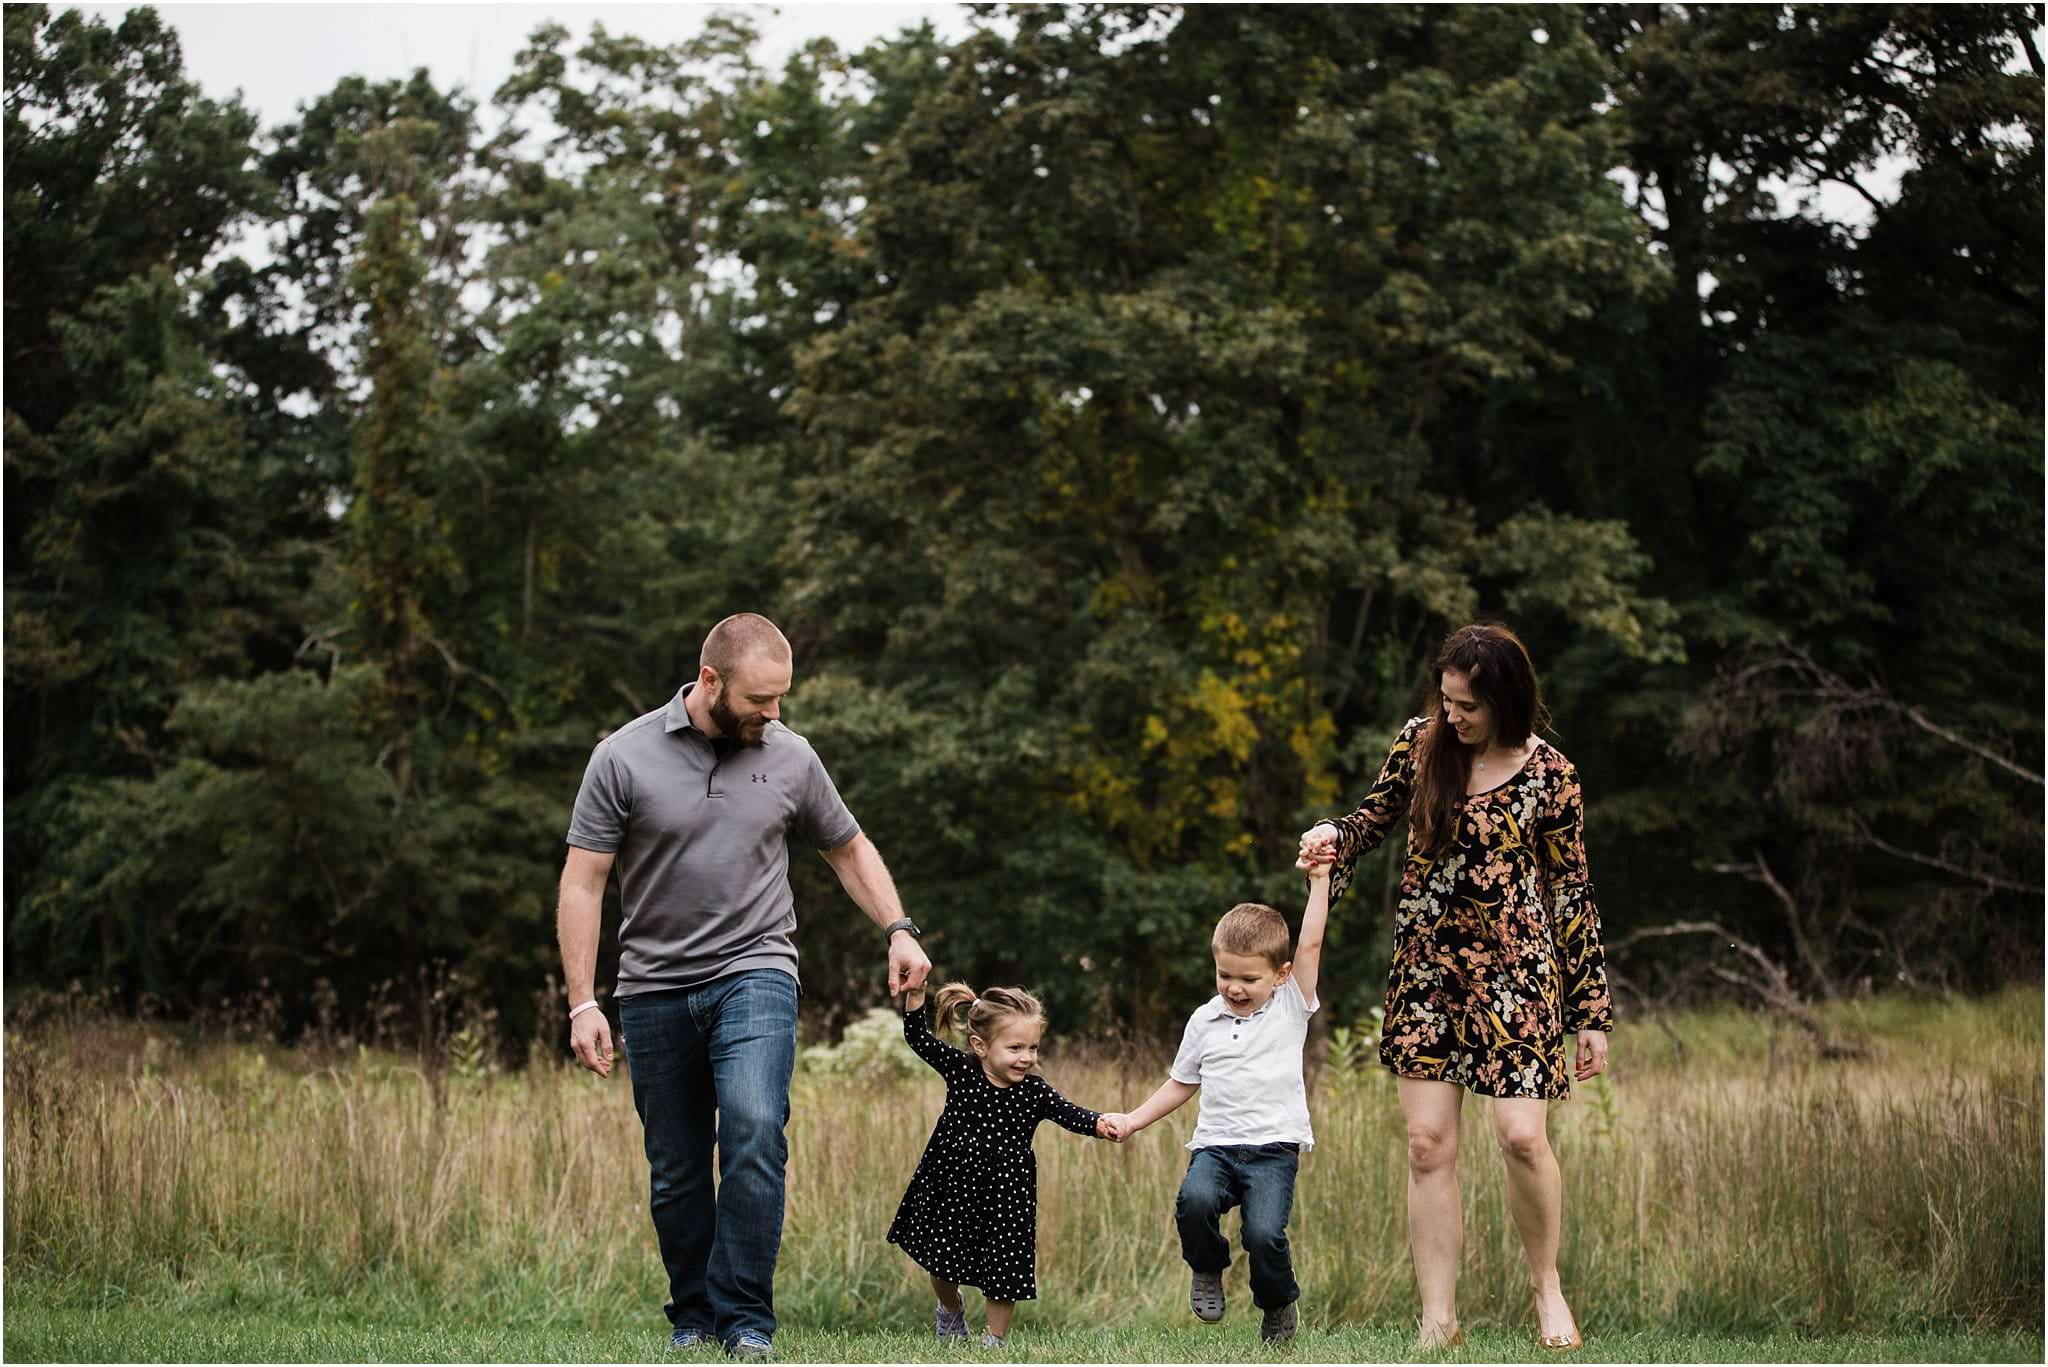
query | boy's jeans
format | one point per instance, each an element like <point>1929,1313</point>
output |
<point>1260,1178</point>
<point>711,1064</point>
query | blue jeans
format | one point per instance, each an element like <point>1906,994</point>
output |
<point>711,1065</point>
<point>1259,1177</point>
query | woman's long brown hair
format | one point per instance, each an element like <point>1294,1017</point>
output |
<point>1502,677</point>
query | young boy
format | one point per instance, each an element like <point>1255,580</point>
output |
<point>1242,1051</point>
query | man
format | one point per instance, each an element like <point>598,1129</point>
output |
<point>693,803</point>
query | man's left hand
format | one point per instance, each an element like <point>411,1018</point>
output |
<point>908,966</point>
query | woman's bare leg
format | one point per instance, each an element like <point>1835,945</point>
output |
<point>1536,1200</point>
<point>1435,1232</point>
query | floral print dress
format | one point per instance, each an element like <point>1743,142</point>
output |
<point>1497,956</point>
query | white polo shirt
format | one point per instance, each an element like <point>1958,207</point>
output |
<point>1249,1070</point>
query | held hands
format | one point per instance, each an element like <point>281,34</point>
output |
<point>590,1035</point>
<point>1116,1128</point>
<point>908,966</point>
<point>1318,850</point>
<point>1592,1059</point>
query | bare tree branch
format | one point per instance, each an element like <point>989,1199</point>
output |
<point>460,670</point>
<point>1847,695</point>
<point>1989,880</point>
<point>1759,871</point>
<point>323,640</point>
<point>1767,965</point>
<point>1768,982</point>
<point>1822,173</point>
<point>1919,719</point>
<point>397,786</point>
<point>1789,673</point>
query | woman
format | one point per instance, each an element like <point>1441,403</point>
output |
<point>1496,954</point>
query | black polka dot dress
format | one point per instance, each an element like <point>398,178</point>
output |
<point>971,1214</point>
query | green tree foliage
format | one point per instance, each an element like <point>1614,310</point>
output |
<point>116,165</point>
<point>1114,405</point>
<point>1173,351</point>
<point>151,547</point>
<point>1857,433</point>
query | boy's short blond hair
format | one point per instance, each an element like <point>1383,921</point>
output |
<point>1254,930</point>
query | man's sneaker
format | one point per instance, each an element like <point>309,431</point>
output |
<point>994,1341</point>
<point>685,1339</point>
<point>1278,1325</point>
<point>949,1324</point>
<point>752,1345</point>
<point>1205,1296</point>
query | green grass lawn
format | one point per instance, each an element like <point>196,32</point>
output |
<point>41,1332</point>
<point>1737,1201</point>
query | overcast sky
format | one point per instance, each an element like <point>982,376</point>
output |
<point>281,56</point>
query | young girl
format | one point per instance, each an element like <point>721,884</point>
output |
<point>970,1217</point>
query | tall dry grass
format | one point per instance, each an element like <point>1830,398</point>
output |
<point>1738,1187</point>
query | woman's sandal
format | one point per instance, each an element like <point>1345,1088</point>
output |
<point>1561,1343</point>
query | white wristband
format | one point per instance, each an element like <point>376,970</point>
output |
<point>576,1011</point>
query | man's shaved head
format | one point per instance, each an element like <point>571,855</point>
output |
<point>738,639</point>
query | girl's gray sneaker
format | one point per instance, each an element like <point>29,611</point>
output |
<point>949,1324</point>
<point>994,1341</point>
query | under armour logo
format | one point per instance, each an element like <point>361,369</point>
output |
<point>759,778</point>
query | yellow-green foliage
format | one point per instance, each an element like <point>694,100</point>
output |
<point>1186,775</point>
<point>1747,1186</point>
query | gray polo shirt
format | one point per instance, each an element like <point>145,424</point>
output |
<point>699,837</point>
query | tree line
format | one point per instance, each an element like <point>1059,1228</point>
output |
<point>1114,406</point>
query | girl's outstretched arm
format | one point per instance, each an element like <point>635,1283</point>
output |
<point>943,1058</point>
<point>1065,1114</point>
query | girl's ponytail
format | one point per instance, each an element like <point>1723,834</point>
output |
<point>950,1007</point>
<point>955,1006</point>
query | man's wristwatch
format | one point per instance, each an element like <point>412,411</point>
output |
<point>900,923</point>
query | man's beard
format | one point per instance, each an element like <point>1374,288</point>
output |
<point>730,727</point>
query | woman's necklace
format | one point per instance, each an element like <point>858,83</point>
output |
<point>1479,764</point>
